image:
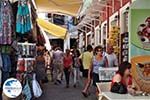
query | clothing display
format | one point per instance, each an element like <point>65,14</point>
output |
<point>6,22</point>
<point>27,49</point>
<point>17,59</point>
<point>6,63</point>
<point>23,21</point>
<point>25,64</point>
<point>5,49</point>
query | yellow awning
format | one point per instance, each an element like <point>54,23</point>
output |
<point>70,7</point>
<point>51,28</point>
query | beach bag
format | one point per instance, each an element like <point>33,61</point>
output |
<point>27,91</point>
<point>37,91</point>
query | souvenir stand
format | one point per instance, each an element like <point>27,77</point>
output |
<point>26,65</point>
<point>26,43</point>
<point>18,38</point>
<point>6,38</point>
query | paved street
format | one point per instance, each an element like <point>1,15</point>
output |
<point>60,92</point>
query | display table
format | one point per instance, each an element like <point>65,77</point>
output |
<point>115,96</point>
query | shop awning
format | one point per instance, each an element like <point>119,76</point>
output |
<point>70,7</point>
<point>52,29</point>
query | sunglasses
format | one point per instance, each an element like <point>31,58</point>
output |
<point>99,50</point>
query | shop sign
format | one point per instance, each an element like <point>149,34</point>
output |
<point>140,43</point>
<point>12,88</point>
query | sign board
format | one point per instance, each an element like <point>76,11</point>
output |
<point>139,43</point>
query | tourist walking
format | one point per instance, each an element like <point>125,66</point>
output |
<point>98,61</point>
<point>57,65</point>
<point>67,66</point>
<point>40,67</point>
<point>86,59</point>
<point>76,66</point>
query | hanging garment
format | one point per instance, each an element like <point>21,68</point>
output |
<point>6,63</point>
<point>23,22</point>
<point>5,49</point>
<point>0,78</point>
<point>6,22</point>
<point>1,61</point>
<point>21,65</point>
<point>5,76</point>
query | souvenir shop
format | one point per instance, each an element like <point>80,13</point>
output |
<point>19,38</point>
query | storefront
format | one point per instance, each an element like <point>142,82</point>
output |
<point>18,47</point>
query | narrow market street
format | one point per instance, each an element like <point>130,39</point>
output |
<point>60,92</point>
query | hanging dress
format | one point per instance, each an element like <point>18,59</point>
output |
<point>6,22</point>
<point>23,24</point>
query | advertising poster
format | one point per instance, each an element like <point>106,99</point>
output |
<point>140,43</point>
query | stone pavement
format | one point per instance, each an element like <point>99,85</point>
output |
<point>60,92</point>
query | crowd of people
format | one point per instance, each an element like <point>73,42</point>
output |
<point>85,64</point>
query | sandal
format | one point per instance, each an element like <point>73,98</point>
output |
<point>85,94</point>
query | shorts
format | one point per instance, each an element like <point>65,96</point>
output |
<point>85,73</point>
<point>95,79</point>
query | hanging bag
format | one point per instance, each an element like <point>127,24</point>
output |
<point>27,91</point>
<point>37,91</point>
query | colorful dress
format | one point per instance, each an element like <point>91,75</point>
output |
<point>23,24</point>
<point>6,22</point>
